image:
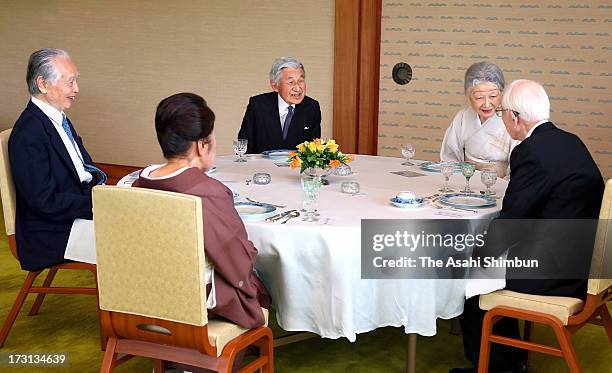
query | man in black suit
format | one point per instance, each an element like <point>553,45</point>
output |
<point>52,171</point>
<point>284,118</point>
<point>553,176</point>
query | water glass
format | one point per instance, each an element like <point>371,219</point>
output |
<point>240,147</point>
<point>310,199</point>
<point>408,151</point>
<point>447,168</point>
<point>488,176</point>
<point>467,169</point>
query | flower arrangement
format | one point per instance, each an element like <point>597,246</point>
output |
<point>318,154</point>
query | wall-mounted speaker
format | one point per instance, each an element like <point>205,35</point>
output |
<point>402,73</point>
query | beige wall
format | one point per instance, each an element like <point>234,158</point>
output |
<point>131,54</point>
<point>566,45</point>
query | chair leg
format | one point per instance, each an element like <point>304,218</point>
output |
<point>41,296</point>
<point>159,366</point>
<point>527,331</point>
<point>527,337</point>
<point>606,320</point>
<point>565,342</point>
<point>21,296</point>
<point>109,356</point>
<point>267,349</point>
<point>485,344</point>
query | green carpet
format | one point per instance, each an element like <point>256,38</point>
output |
<point>68,324</point>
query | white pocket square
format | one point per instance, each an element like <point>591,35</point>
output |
<point>306,128</point>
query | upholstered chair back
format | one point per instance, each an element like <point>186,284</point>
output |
<point>6,184</point>
<point>150,253</point>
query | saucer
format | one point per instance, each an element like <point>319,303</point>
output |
<point>419,202</point>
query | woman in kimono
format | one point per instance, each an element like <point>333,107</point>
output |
<point>184,126</point>
<point>476,133</point>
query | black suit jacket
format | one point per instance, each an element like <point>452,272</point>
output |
<point>553,176</point>
<point>49,194</point>
<point>261,124</point>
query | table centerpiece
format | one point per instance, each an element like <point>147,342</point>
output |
<point>318,157</point>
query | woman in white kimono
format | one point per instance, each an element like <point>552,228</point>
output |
<point>476,133</point>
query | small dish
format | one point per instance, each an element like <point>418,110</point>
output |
<point>419,202</point>
<point>262,178</point>
<point>343,170</point>
<point>350,187</point>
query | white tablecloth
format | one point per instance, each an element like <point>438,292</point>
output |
<point>313,269</point>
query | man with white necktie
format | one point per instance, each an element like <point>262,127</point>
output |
<point>284,118</point>
<point>52,171</point>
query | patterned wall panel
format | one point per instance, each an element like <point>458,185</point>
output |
<point>565,45</point>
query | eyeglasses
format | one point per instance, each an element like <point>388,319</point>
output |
<point>295,83</point>
<point>499,111</point>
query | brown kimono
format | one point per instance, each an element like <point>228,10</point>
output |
<point>240,294</point>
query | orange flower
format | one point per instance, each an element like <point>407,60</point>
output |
<point>295,163</point>
<point>349,158</point>
<point>334,163</point>
<point>292,154</point>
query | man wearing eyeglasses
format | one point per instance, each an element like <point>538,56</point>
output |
<point>553,177</point>
<point>52,171</point>
<point>284,118</point>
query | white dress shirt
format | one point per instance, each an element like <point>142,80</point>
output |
<point>283,110</point>
<point>534,127</point>
<point>73,150</point>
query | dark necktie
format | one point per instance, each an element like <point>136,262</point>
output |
<point>89,168</point>
<point>287,122</point>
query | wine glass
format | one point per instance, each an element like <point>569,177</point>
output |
<point>240,147</point>
<point>488,176</point>
<point>408,151</point>
<point>467,169</point>
<point>447,168</point>
<point>310,186</point>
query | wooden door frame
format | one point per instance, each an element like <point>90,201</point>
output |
<point>356,75</point>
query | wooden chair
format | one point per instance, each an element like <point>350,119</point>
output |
<point>8,206</point>
<point>150,252</point>
<point>564,315</point>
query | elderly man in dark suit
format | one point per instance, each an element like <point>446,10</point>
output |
<point>284,118</point>
<point>52,171</point>
<point>553,177</point>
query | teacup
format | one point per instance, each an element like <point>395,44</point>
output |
<point>405,197</point>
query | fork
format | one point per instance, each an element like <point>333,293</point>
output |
<point>435,205</point>
<point>265,203</point>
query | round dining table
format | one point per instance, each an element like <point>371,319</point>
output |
<point>313,269</point>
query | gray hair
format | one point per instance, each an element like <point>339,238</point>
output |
<point>41,64</point>
<point>483,72</point>
<point>282,63</point>
<point>529,99</point>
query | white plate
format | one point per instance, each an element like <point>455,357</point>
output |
<point>277,155</point>
<point>404,205</point>
<point>467,200</point>
<point>437,167</point>
<point>254,211</point>
<point>212,170</point>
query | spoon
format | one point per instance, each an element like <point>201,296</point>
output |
<point>293,214</point>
